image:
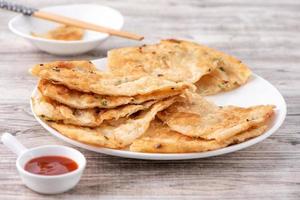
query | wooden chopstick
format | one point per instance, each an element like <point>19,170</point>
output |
<point>85,25</point>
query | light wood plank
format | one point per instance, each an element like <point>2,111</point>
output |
<point>264,34</point>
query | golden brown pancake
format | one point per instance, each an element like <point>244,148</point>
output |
<point>81,100</point>
<point>84,65</point>
<point>230,74</point>
<point>159,138</point>
<point>93,81</point>
<point>198,118</point>
<point>213,71</point>
<point>116,134</point>
<point>175,60</point>
<point>55,111</point>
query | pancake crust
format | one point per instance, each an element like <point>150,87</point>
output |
<point>198,118</point>
<point>211,70</point>
<point>117,134</point>
<point>230,74</point>
<point>54,111</point>
<point>81,100</point>
<point>84,65</point>
<point>103,83</point>
<point>175,60</point>
<point>159,138</point>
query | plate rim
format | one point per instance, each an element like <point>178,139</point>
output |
<point>170,156</point>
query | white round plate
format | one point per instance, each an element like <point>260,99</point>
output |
<point>256,91</point>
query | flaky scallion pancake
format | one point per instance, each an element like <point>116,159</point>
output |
<point>54,111</point>
<point>198,118</point>
<point>103,83</point>
<point>230,74</point>
<point>213,71</point>
<point>175,60</point>
<point>81,100</point>
<point>84,65</point>
<point>159,138</point>
<point>114,135</point>
<point>246,135</point>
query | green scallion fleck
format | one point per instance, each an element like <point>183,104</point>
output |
<point>220,86</point>
<point>56,69</point>
<point>119,82</point>
<point>104,102</point>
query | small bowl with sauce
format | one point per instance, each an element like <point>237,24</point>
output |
<point>49,169</point>
<point>58,39</point>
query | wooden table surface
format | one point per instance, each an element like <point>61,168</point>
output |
<point>264,34</point>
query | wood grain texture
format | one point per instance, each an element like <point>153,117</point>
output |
<point>264,34</point>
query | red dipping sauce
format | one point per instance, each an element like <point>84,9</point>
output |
<point>51,165</point>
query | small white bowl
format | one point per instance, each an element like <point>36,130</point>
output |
<point>45,184</point>
<point>100,15</point>
<point>53,184</point>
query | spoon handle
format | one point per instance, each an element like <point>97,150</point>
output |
<point>13,144</point>
<point>17,8</point>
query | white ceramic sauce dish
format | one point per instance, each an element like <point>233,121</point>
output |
<point>24,26</point>
<point>45,184</point>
